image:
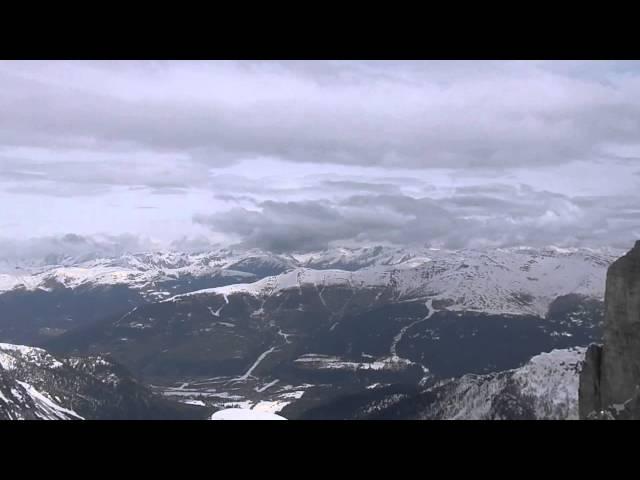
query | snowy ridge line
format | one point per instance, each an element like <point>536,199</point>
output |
<point>516,281</point>
<point>512,282</point>
<point>294,279</point>
<point>10,354</point>
<point>141,270</point>
<point>549,379</point>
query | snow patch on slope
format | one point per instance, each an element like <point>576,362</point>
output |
<point>47,408</point>
<point>244,414</point>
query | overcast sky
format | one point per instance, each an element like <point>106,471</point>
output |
<point>300,155</point>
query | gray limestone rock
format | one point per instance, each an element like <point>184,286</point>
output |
<point>589,389</point>
<point>611,372</point>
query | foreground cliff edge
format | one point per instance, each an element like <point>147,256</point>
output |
<point>610,377</point>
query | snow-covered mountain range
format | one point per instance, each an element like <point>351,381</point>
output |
<point>506,281</point>
<point>259,327</point>
<point>500,281</point>
<point>139,271</point>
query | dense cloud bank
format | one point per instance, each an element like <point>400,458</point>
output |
<point>470,218</point>
<point>299,155</point>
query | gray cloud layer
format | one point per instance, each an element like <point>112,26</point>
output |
<point>358,149</point>
<point>55,248</point>
<point>517,216</point>
<point>409,114</point>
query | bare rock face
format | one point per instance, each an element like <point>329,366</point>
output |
<point>589,389</point>
<point>610,377</point>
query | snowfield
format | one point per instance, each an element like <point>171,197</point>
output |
<point>244,414</point>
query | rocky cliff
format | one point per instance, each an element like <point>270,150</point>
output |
<point>610,377</point>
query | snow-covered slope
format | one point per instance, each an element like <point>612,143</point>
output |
<point>19,399</point>
<point>13,356</point>
<point>502,281</point>
<point>545,388</point>
<point>35,385</point>
<point>547,385</point>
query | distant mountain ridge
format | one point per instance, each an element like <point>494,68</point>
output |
<point>501,281</point>
<point>468,279</point>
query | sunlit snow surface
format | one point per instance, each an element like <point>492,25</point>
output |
<point>244,414</point>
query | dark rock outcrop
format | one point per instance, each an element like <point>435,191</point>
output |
<point>590,381</point>
<point>610,377</point>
